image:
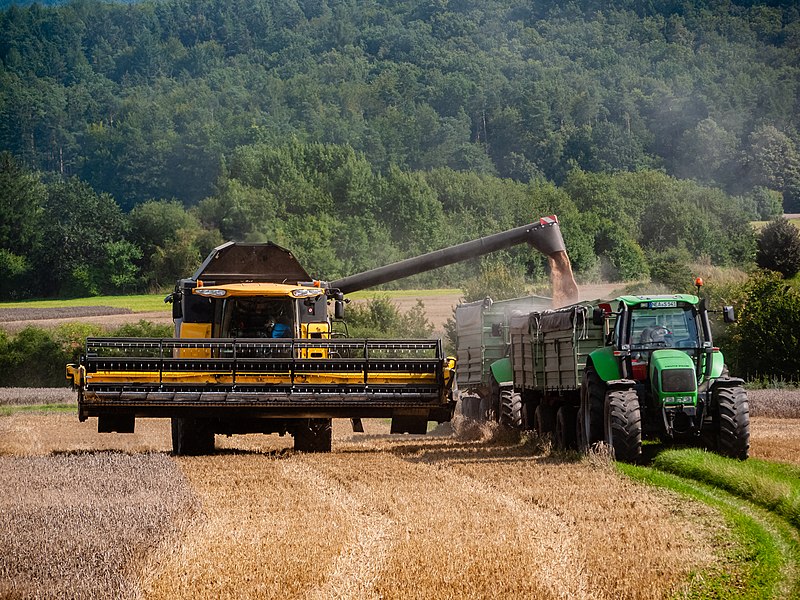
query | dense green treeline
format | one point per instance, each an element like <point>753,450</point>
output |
<point>60,237</point>
<point>149,100</point>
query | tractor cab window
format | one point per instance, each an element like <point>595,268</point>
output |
<point>654,327</point>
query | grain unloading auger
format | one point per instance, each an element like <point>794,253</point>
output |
<point>254,352</point>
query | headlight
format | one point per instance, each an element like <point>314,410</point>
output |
<point>306,292</point>
<point>209,292</point>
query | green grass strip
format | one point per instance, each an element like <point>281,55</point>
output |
<point>762,551</point>
<point>140,303</point>
<point>155,302</point>
<point>771,485</point>
<point>11,409</point>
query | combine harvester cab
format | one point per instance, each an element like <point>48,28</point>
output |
<point>586,374</point>
<point>254,352</point>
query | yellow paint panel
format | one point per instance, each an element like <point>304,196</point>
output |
<point>195,331</point>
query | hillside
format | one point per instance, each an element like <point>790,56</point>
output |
<point>137,137</point>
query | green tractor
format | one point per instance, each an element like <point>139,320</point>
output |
<point>660,375</point>
<point>587,373</point>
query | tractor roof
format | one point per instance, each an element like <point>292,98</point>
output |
<point>638,300</point>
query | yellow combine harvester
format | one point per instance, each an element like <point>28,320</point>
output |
<point>255,352</point>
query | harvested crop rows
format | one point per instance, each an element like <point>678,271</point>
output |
<point>474,515</point>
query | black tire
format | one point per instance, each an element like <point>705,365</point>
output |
<point>191,437</point>
<point>470,405</point>
<point>733,434</point>
<point>492,407</point>
<point>591,416</point>
<point>623,425</point>
<point>544,419</point>
<point>313,435</point>
<point>565,436</point>
<point>510,409</point>
<point>580,432</point>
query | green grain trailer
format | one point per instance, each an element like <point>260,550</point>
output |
<point>482,339</point>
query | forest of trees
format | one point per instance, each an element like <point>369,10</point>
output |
<point>137,136</point>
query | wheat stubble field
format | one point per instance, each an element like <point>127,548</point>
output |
<point>467,512</point>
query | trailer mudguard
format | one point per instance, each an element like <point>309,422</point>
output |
<point>606,364</point>
<point>502,371</point>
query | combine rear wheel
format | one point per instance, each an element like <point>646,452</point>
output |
<point>734,422</point>
<point>510,409</point>
<point>565,437</point>
<point>313,435</point>
<point>623,425</point>
<point>191,437</point>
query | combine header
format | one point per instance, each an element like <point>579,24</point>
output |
<point>254,352</point>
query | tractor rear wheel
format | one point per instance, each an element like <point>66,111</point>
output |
<point>623,425</point>
<point>591,414</point>
<point>191,437</point>
<point>313,435</point>
<point>565,432</point>
<point>733,435</point>
<point>510,409</point>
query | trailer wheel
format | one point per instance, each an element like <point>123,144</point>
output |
<point>510,409</point>
<point>544,419</point>
<point>313,435</point>
<point>591,414</point>
<point>623,425</point>
<point>191,437</point>
<point>733,435</point>
<point>565,437</point>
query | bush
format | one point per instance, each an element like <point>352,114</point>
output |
<point>672,269</point>
<point>779,248</point>
<point>381,318</point>
<point>497,281</point>
<point>31,358</point>
<point>765,340</point>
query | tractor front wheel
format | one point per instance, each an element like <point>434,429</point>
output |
<point>733,434</point>
<point>623,425</point>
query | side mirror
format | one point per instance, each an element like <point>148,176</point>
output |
<point>497,330</point>
<point>176,299</point>
<point>728,314</point>
<point>598,316</point>
<point>338,309</point>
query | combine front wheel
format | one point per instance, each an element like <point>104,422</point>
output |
<point>191,437</point>
<point>313,435</point>
<point>623,425</point>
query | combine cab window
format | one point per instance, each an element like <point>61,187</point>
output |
<point>672,327</point>
<point>255,317</point>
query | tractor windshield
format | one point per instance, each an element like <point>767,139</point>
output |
<point>654,326</point>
